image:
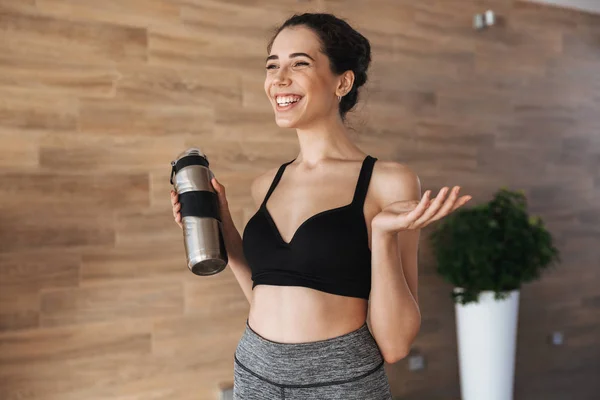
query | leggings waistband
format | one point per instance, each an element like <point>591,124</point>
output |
<point>336,360</point>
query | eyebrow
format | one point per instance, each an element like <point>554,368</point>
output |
<point>275,57</point>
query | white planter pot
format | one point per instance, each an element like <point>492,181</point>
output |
<point>487,335</point>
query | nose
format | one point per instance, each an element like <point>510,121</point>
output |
<point>281,78</point>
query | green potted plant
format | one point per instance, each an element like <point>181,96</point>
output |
<point>487,252</point>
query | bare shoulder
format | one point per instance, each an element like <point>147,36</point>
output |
<point>392,181</point>
<point>260,185</point>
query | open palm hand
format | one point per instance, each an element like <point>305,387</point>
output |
<point>412,214</point>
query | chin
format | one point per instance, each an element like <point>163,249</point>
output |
<point>285,123</point>
<point>290,119</point>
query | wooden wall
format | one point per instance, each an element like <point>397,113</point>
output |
<point>97,97</point>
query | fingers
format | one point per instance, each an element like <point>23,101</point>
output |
<point>439,208</point>
<point>423,205</point>
<point>433,208</point>
<point>174,203</point>
<point>176,208</point>
<point>220,189</point>
<point>217,185</point>
<point>461,202</point>
<point>448,204</point>
<point>416,215</point>
<point>452,203</point>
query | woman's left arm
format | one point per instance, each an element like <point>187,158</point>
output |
<point>394,314</point>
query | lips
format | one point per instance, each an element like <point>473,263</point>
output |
<point>287,101</point>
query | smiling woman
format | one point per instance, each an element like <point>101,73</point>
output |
<point>333,243</point>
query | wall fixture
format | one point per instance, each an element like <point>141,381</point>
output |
<point>484,20</point>
<point>416,361</point>
<point>557,338</point>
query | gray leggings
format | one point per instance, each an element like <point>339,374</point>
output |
<point>345,367</point>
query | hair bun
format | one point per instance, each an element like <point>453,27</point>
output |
<point>360,79</point>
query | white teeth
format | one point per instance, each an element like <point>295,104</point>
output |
<point>285,101</point>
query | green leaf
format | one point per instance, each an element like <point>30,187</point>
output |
<point>493,246</point>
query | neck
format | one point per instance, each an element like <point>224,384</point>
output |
<point>325,139</point>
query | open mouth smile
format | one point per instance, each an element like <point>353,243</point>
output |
<point>287,102</point>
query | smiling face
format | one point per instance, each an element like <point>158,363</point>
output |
<point>299,82</point>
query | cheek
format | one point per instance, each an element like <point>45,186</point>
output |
<point>319,89</point>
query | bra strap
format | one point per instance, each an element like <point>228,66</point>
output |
<point>275,181</point>
<point>364,178</point>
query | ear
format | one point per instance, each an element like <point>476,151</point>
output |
<point>345,82</point>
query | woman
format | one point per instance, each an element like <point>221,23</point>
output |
<point>335,237</point>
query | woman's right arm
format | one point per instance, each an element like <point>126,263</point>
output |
<point>233,241</point>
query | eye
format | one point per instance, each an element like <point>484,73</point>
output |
<point>299,63</point>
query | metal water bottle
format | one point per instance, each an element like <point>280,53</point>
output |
<point>200,214</point>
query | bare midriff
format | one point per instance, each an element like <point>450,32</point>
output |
<point>295,314</point>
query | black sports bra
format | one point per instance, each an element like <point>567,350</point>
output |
<point>328,252</point>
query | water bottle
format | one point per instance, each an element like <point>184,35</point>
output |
<point>200,214</point>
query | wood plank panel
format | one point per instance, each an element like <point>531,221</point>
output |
<point>35,271</point>
<point>110,302</point>
<point>63,227</point>
<point>58,77</point>
<point>145,227</point>
<point>134,13</point>
<point>130,262</point>
<point>243,20</point>
<point>87,192</point>
<point>23,276</point>
<point>112,154</point>
<point>188,46</point>
<point>36,36</point>
<point>47,345</point>
<point>199,335</point>
<point>18,149</point>
<point>215,296</point>
<point>22,7</point>
<point>126,118</point>
<point>30,109</point>
<point>201,86</point>
<point>250,155</point>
